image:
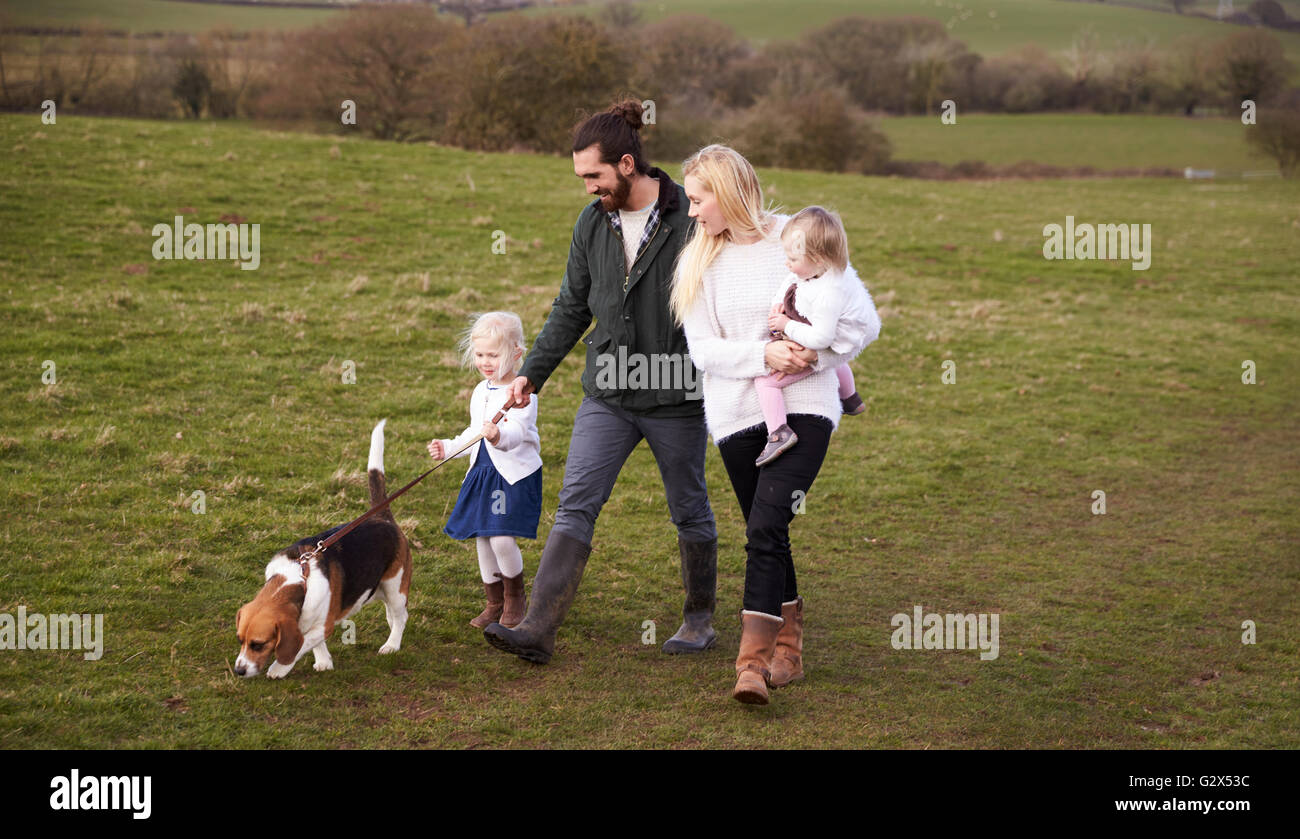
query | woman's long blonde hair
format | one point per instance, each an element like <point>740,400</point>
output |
<point>727,174</point>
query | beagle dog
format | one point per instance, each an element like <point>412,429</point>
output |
<point>302,601</point>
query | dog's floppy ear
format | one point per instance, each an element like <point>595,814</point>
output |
<point>238,615</point>
<point>290,641</point>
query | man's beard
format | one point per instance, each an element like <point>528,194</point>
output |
<point>617,199</point>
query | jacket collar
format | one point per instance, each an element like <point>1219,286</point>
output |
<point>669,197</point>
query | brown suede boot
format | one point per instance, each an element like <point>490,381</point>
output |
<point>516,606</point>
<point>753,664</point>
<point>787,661</point>
<point>495,602</point>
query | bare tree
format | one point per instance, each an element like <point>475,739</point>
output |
<point>1186,73</point>
<point>471,10</point>
<point>1083,55</point>
<point>928,63</point>
<point>95,58</point>
<point>232,61</point>
<point>1251,65</point>
<point>621,14</point>
<point>1276,133</point>
<point>4,42</point>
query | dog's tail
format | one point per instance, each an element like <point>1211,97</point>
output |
<point>375,468</point>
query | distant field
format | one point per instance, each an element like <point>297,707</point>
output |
<point>149,15</point>
<point>1106,142</point>
<point>989,27</point>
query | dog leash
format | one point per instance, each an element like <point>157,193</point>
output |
<point>324,544</point>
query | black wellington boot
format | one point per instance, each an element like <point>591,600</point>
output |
<point>700,578</point>
<point>558,573</point>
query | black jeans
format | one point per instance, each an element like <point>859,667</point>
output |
<point>768,497</point>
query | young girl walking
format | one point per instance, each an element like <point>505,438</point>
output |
<point>501,496</point>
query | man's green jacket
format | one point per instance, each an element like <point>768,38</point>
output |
<point>636,354</point>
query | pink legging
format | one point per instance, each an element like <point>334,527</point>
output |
<point>772,401</point>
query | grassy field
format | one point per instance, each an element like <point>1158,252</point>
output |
<point>1117,630</point>
<point>988,27</point>
<point>152,15</point>
<point>1104,142</point>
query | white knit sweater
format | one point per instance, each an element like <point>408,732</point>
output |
<point>726,331</point>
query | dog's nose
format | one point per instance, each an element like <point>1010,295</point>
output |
<point>239,669</point>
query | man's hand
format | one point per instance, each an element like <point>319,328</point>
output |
<point>490,432</point>
<point>787,357</point>
<point>435,450</point>
<point>520,390</point>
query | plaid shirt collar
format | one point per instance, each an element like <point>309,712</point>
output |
<point>651,222</point>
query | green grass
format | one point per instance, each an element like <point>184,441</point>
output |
<point>988,27</point>
<point>1104,142</point>
<point>1120,630</point>
<point>158,15</point>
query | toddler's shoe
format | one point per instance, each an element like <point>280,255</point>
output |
<point>778,441</point>
<point>496,601</point>
<point>853,404</point>
<point>516,606</point>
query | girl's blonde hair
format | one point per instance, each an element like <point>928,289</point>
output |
<point>819,234</point>
<point>727,174</point>
<point>504,328</point>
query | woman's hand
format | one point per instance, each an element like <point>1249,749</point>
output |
<point>435,450</point>
<point>491,433</point>
<point>787,357</point>
<point>803,352</point>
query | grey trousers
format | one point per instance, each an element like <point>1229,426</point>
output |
<point>603,438</point>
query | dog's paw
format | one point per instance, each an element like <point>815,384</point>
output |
<point>278,670</point>
<point>328,664</point>
<point>389,648</point>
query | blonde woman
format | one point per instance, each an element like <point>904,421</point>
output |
<point>723,286</point>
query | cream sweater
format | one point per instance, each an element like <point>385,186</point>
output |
<point>726,331</point>
<point>517,453</point>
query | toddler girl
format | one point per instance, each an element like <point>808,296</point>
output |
<point>501,496</point>
<point>815,309</point>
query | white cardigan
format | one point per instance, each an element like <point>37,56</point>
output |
<point>838,309</point>
<point>517,453</point>
<point>726,331</point>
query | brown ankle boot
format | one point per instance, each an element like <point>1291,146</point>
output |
<point>753,664</point>
<point>495,602</point>
<point>787,661</point>
<point>516,607</point>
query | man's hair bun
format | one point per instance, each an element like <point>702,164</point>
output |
<point>630,110</point>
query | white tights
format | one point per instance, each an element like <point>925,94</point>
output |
<point>498,557</point>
